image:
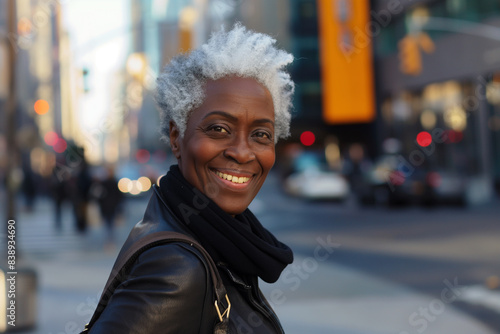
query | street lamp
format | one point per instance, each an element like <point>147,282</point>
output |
<point>136,66</point>
<point>187,20</point>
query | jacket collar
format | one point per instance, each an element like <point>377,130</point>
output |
<point>158,217</point>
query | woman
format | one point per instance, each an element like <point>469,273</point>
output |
<point>223,107</point>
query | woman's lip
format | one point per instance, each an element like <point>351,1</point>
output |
<point>234,172</point>
<point>231,184</point>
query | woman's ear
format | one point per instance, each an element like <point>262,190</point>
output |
<point>175,139</point>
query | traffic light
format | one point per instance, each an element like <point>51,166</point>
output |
<point>307,138</point>
<point>424,138</point>
<point>85,80</point>
<point>409,52</point>
<point>409,56</point>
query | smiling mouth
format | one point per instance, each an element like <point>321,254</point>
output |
<point>232,178</point>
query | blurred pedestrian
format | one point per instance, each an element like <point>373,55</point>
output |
<point>356,168</point>
<point>29,188</point>
<point>110,199</point>
<point>59,183</point>
<point>80,184</point>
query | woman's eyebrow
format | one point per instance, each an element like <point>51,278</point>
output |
<point>221,113</point>
<point>263,121</point>
<point>235,119</point>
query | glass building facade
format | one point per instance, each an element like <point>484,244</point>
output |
<point>454,94</point>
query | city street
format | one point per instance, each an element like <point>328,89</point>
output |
<point>356,270</point>
<point>423,250</point>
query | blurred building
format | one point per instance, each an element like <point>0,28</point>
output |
<point>156,38</point>
<point>3,51</point>
<point>438,66</point>
<point>268,16</point>
<point>4,85</point>
<point>334,98</point>
<point>365,72</point>
<point>33,42</point>
<point>306,74</point>
<point>368,71</point>
<point>160,30</point>
<point>45,123</point>
<point>4,61</point>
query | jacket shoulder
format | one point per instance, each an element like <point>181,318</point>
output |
<point>171,259</point>
<point>167,290</point>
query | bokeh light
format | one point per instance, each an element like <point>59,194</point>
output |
<point>60,146</point>
<point>145,183</point>
<point>307,138</point>
<point>123,184</point>
<point>456,118</point>
<point>424,139</point>
<point>136,64</point>
<point>24,26</point>
<point>51,138</point>
<point>135,187</point>
<point>41,107</point>
<point>142,156</point>
<point>428,119</point>
<point>454,136</point>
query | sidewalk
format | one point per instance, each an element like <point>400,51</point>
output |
<point>336,299</point>
<point>312,296</point>
<point>71,268</point>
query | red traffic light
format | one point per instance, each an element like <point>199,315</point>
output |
<point>424,139</point>
<point>307,138</point>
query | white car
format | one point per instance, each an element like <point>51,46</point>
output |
<point>317,183</point>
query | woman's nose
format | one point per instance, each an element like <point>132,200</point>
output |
<point>240,151</point>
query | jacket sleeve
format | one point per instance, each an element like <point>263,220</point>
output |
<point>165,292</point>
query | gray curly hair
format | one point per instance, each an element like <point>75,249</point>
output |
<point>239,52</point>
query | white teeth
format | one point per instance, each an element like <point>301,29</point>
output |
<point>232,178</point>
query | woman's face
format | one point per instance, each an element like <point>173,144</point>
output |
<point>228,146</point>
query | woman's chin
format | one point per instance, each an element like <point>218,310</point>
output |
<point>232,209</point>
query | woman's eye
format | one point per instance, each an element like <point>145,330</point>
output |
<point>263,134</point>
<point>218,128</point>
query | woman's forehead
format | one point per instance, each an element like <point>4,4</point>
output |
<point>237,97</point>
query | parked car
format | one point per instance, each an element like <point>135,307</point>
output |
<point>311,178</point>
<point>392,183</point>
<point>444,187</point>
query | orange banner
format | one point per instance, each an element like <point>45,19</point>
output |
<point>346,60</point>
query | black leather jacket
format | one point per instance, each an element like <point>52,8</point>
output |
<point>169,289</point>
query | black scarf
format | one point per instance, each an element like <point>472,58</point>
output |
<point>241,241</point>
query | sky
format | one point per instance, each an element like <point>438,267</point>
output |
<point>99,37</point>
